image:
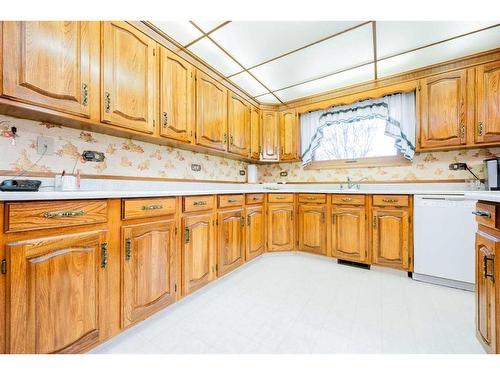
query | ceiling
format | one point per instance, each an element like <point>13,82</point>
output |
<point>279,61</point>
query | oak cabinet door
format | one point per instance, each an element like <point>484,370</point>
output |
<point>280,227</point>
<point>255,134</point>
<point>129,78</point>
<point>211,113</point>
<point>198,260</point>
<point>488,103</point>
<point>49,63</point>
<point>391,238</point>
<point>270,135</point>
<point>149,279</point>
<point>289,135</point>
<point>231,240</point>
<point>312,228</point>
<point>238,113</point>
<point>349,232</point>
<point>53,287</point>
<point>444,117</point>
<point>177,97</point>
<point>256,231</point>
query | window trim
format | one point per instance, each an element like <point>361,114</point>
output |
<point>379,161</point>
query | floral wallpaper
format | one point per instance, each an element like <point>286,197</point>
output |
<point>124,157</point>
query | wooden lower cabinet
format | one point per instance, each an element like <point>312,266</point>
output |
<point>349,233</point>
<point>231,240</point>
<point>280,227</point>
<point>312,228</point>
<point>255,232</point>
<point>149,265</point>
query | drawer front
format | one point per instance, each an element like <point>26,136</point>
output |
<point>231,200</point>
<point>24,216</point>
<point>312,198</point>
<point>254,198</point>
<point>139,208</point>
<point>349,199</point>
<point>198,203</point>
<point>486,214</point>
<point>391,200</point>
<point>280,198</point>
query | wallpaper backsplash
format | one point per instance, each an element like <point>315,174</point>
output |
<point>124,157</point>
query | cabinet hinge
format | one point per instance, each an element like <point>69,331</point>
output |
<point>154,51</point>
<point>175,287</point>
<point>216,221</point>
<point>216,267</point>
<point>175,231</point>
<point>154,123</point>
<point>4,267</point>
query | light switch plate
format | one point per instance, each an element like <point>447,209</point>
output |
<point>45,145</point>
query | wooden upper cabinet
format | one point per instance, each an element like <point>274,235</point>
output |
<point>53,64</point>
<point>289,135</point>
<point>129,78</point>
<point>255,232</point>
<point>270,135</point>
<point>445,114</point>
<point>177,97</point>
<point>238,123</point>
<point>54,290</point>
<point>148,253</point>
<point>211,112</point>
<point>349,233</point>
<point>231,240</point>
<point>488,103</point>
<point>255,133</point>
<point>312,228</point>
<point>280,227</point>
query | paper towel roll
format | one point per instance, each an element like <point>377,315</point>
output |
<point>252,174</point>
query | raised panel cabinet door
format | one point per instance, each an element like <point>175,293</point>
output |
<point>198,257</point>
<point>177,97</point>
<point>391,238</point>
<point>231,240</point>
<point>289,135</point>
<point>54,298</point>
<point>270,135</point>
<point>486,246</point>
<point>129,78</point>
<point>312,228</point>
<point>348,232</point>
<point>256,232</point>
<point>488,103</point>
<point>238,113</point>
<point>280,227</point>
<point>255,134</point>
<point>49,63</point>
<point>444,117</point>
<point>149,279</point>
<point>211,112</point>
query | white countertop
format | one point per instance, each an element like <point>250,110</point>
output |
<point>490,196</point>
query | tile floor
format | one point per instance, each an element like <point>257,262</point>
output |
<point>300,303</point>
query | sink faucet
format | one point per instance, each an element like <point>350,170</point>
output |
<point>351,184</point>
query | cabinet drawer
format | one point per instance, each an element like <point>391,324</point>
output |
<point>349,199</point>
<point>231,200</point>
<point>280,198</point>
<point>198,203</point>
<point>23,216</point>
<point>486,214</point>
<point>254,198</point>
<point>139,208</point>
<point>391,200</point>
<point>312,198</point>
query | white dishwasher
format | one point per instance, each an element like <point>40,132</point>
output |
<point>444,235</point>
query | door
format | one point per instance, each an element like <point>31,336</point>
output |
<point>391,237</point>
<point>198,263</point>
<point>289,135</point>
<point>488,103</point>
<point>231,240</point>
<point>486,246</point>
<point>129,78</point>
<point>312,228</point>
<point>348,232</point>
<point>256,232</point>
<point>149,280</point>
<point>211,114</point>
<point>238,114</point>
<point>50,64</point>
<point>280,227</point>
<point>53,287</point>
<point>255,133</point>
<point>444,117</point>
<point>270,135</point>
<point>177,97</point>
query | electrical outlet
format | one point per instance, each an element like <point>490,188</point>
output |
<point>196,167</point>
<point>96,156</point>
<point>45,145</point>
<point>283,173</point>
<point>242,172</point>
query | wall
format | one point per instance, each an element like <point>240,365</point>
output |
<point>123,157</point>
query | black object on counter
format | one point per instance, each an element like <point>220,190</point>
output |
<point>20,185</point>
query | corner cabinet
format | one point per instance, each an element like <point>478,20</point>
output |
<point>238,123</point>
<point>129,78</point>
<point>289,136</point>
<point>488,103</point>
<point>270,136</point>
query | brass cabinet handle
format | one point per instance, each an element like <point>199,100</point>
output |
<point>390,200</point>
<point>232,200</point>
<point>485,267</point>
<point>346,199</point>
<point>152,207</point>
<point>248,220</point>
<point>186,234</point>
<point>199,203</point>
<point>482,214</point>
<point>311,198</point>
<point>231,139</point>
<point>107,102</point>
<point>225,138</point>
<point>104,254</point>
<point>462,131</point>
<point>59,214</point>
<point>323,217</point>
<point>280,198</point>
<point>480,128</point>
<point>242,221</point>
<point>375,222</point>
<point>165,119</point>
<point>85,94</point>
<point>128,249</point>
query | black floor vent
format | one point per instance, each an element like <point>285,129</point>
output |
<point>353,264</point>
